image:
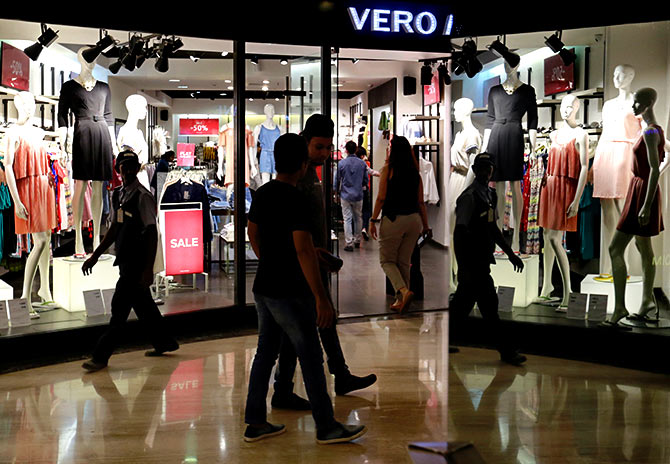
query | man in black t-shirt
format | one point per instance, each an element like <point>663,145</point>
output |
<point>287,290</point>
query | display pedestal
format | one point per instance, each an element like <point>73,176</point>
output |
<point>6,291</point>
<point>633,291</point>
<point>70,282</point>
<point>525,282</point>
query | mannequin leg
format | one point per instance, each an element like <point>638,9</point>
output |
<point>500,208</point>
<point>643,245</point>
<point>556,239</point>
<point>517,208</point>
<point>453,279</point>
<point>44,266</point>
<point>548,265</point>
<point>96,210</point>
<point>78,213</point>
<point>619,273</point>
<point>41,243</point>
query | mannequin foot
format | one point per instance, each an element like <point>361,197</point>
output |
<point>642,314</point>
<point>619,313</point>
<point>546,299</point>
<point>45,295</point>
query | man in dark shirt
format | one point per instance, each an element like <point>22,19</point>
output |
<point>475,237</point>
<point>287,289</point>
<point>319,131</point>
<point>135,237</point>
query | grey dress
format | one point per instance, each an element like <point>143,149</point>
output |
<point>506,144</point>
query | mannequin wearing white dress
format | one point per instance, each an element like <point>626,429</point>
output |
<point>268,124</point>
<point>132,138</point>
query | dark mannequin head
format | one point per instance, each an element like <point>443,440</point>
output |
<point>643,100</point>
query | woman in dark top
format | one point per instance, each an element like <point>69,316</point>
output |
<point>404,220</point>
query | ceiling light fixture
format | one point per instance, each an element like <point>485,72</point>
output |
<point>224,53</point>
<point>443,74</point>
<point>555,43</point>
<point>230,87</point>
<point>501,50</point>
<point>174,80</point>
<point>45,39</point>
<point>228,81</point>
<point>105,42</point>
<point>265,88</point>
<point>283,61</point>
<point>426,74</point>
<point>194,58</point>
<point>265,81</point>
<point>355,60</point>
<point>467,61</point>
<point>182,86</point>
<point>254,60</point>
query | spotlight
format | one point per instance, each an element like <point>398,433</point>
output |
<point>93,53</point>
<point>47,37</point>
<point>115,67</point>
<point>556,45</point>
<point>176,44</point>
<point>568,56</point>
<point>443,74</point>
<point>283,61</point>
<point>426,74</point>
<point>355,60</point>
<point>113,52</point>
<point>195,59</point>
<point>224,53</point>
<point>502,51</point>
<point>139,61</point>
<point>254,60</point>
<point>265,88</point>
<point>467,60</point>
<point>129,60</point>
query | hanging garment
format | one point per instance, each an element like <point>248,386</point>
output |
<point>383,122</point>
<point>561,187</point>
<point>430,193</point>
<point>464,142</point>
<point>534,174</point>
<point>589,224</point>
<point>637,191</point>
<point>612,167</point>
<point>267,138</point>
<point>191,192</point>
<point>227,141</point>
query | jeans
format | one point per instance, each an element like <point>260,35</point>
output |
<point>352,212</point>
<point>296,317</point>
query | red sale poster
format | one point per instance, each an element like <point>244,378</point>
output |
<point>557,76</point>
<point>183,394</point>
<point>431,93</point>
<point>198,126</point>
<point>184,249</point>
<point>185,154</point>
<point>15,68</point>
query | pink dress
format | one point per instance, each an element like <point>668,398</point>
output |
<point>613,163</point>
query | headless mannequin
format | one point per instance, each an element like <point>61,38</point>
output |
<point>553,246</point>
<point>468,140</point>
<point>643,104</point>
<point>269,124</point>
<point>87,81</point>
<point>510,85</point>
<point>39,256</point>
<point>230,157</point>
<point>133,138</point>
<point>612,207</point>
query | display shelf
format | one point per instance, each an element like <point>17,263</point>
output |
<point>419,117</point>
<point>427,144</point>
<point>9,93</point>
<point>46,133</point>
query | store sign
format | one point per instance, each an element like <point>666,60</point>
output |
<point>431,93</point>
<point>557,76</point>
<point>184,249</point>
<point>185,154</point>
<point>15,68</point>
<point>198,126</point>
<point>399,21</point>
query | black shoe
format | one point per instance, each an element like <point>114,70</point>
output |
<point>513,358</point>
<point>365,235</point>
<point>92,365</point>
<point>347,383</point>
<point>252,434</point>
<point>290,401</point>
<point>357,245</point>
<point>348,248</point>
<point>454,349</point>
<point>174,346</point>
<point>340,433</point>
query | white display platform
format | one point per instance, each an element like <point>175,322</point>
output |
<point>6,291</point>
<point>525,282</point>
<point>633,291</point>
<point>70,282</point>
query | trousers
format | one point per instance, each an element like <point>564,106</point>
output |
<point>397,240</point>
<point>352,213</point>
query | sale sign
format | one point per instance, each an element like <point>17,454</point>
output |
<point>183,393</point>
<point>15,68</point>
<point>184,250</point>
<point>557,76</point>
<point>431,93</point>
<point>198,126</point>
<point>185,154</point>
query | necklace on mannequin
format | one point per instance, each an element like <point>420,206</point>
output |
<point>87,83</point>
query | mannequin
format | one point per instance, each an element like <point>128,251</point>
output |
<point>559,200</point>
<point>93,143</point>
<point>266,133</point>
<point>466,146</point>
<point>133,138</point>
<point>641,216</point>
<point>27,173</point>
<point>614,154</point>
<point>503,139</point>
<point>226,157</point>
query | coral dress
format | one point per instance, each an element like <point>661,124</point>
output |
<point>612,166</point>
<point>31,170</point>
<point>563,170</point>
<point>637,191</point>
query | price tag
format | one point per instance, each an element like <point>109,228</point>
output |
<point>577,306</point>
<point>597,307</point>
<point>107,295</point>
<point>505,299</point>
<point>93,303</point>
<point>19,315</point>
<point>4,319</point>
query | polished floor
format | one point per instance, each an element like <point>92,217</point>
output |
<point>189,407</point>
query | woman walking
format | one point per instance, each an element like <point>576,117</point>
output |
<point>404,220</point>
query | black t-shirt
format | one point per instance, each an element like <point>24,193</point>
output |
<point>279,209</point>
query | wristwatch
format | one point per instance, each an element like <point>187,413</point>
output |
<point>375,220</point>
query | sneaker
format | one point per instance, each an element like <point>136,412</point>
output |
<point>92,365</point>
<point>340,433</point>
<point>268,430</point>
<point>357,245</point>
<point>290,401</point>
<point>348,248</point>
<point>365,235</point>
<point>348,383</point>
<point>174,346</point>
<point>513,358</point>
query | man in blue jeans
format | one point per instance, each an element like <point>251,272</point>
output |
<point>351,179</point>
<point>290,297</point>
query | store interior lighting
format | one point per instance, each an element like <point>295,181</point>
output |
<point>224,53</point>
<point>555,43</point>
<point>355,60</point>
<point>105,42</point>
<point>467,61</point>
<point>194,58</point>
<point>426,74</point>
<point>45,39</point>
<point>283,62</point>
<point>501,50</point>
<point>443,74</point>
<point>254,60</point>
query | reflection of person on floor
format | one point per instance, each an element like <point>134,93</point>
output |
<point>287,290</point>
<point>319,131</point>
<point>475,237</point>
<point>135,237</point>
<point>351,179</point>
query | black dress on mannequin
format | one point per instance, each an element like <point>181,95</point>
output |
<point>91,147</point>
<point>506,144</point>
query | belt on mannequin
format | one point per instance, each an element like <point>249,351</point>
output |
<point>95,118</point>
<point>462,170</point>
<point>505,121</point>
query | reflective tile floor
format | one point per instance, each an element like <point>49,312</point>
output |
<point>189,407</point>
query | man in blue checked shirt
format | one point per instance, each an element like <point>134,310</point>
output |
<point>350,180</point>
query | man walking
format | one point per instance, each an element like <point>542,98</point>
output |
<point>351,179</point>
<point>135,237</point>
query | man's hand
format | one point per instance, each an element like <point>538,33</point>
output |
<point>516,261</point>
<point>373,230</point>
<point>325,314</point>
<point>87,267</point>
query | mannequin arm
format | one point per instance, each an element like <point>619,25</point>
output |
<point>532,138</point>
<point>583,143</point>
<point>112,138</point>
<point>19,208</point>
<point>253,169</point>
<point>487,135</point>
<point>651,139</point>
<point>62,137</point>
